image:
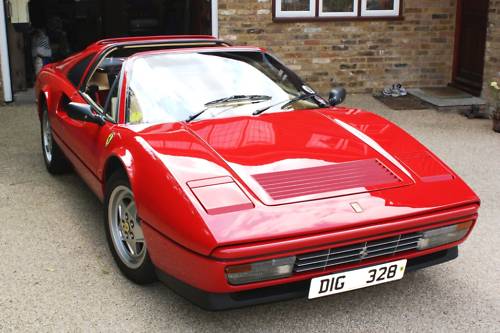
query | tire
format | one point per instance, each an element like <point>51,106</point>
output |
<point>124,233</point>
<point>55,161</point>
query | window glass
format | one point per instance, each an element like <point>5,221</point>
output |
<point>380,5</point>
<point>295,5</point>
<point>295,8</point>
<point>157,95</point>
<point>338,5</point>
<point>340,8</point>
<point>111,104</point>
<point>100,82</point>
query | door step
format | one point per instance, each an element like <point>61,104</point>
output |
<point>448,99</point>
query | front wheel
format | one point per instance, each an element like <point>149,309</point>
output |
<point>124,232</point>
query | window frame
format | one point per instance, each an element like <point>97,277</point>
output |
<point>321,13</point>
<point>360,13</point>
<point>294,14</point>
<point>377,13</point>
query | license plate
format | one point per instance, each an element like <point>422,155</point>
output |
<point>356,279</point>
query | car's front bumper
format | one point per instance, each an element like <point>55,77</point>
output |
<point>223,301</point>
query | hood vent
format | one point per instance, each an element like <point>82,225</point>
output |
<point>370,173</point>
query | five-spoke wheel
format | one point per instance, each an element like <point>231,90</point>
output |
<point>125,228</point>
<point>124,231</point>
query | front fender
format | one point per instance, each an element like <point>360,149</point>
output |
<point>160,201</point>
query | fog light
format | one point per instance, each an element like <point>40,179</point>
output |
<point>260,271</point>
<point>436,237</point>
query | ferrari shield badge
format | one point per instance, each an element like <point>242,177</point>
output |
<point>109,139</point>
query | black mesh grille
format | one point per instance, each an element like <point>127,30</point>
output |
<point>357,252</point>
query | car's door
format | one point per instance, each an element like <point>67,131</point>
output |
<point>87,140</point>
<point>64,92</point>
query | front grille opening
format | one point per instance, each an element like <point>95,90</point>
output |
<point>357,252</point>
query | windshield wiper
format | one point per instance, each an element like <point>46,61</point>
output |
<point>239,98</point>
<point>235,98</point>
<point>290,102</point>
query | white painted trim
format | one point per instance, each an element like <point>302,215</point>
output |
<point>215,18</point>
<point>374,13</point>
<point>339,14</point>
<point>4,56</point>
<point>310,13</point>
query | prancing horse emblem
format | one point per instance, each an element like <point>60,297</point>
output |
<point>109,139</point>
<point>364,252</point>
<point>357,207</point>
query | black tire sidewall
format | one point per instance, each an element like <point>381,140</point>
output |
<point>47,163</point>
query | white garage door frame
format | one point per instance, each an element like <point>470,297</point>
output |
<point>4,50</point>
<point>4,56</point>
<point>215,18</point>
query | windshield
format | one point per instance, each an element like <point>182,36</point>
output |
<point>171,87</point>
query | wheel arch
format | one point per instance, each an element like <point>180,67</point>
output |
<point>42,100</point>
<point>113,164</point>
<point>119,161</point>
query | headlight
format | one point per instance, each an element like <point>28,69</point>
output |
<point>436,237</point>
<point>260,271</point>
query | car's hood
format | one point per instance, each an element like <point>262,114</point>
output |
<point>281,157</point>
<point>287,162</point>
<point>299,156</point>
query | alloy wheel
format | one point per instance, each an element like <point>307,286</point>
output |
<point>125,229</point>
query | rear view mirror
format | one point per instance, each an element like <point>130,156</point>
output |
<point>337,96</point>
<point>83,112</point>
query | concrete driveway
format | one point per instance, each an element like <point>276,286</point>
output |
<point>56,273</point>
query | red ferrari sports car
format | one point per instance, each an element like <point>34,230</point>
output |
<point>227,177</point>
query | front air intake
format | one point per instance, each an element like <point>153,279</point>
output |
<point>357,252</point>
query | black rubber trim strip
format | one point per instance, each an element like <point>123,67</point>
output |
<point>217,302</point>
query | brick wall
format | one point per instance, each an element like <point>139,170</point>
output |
<point>364,56</point>
<point>492,63</point>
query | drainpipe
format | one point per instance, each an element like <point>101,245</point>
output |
<point>4,56</point>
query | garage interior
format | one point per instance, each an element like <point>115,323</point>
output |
<point>71,25</point>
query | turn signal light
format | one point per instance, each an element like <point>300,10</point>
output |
<point>260,271</point>
<point>440,236</point>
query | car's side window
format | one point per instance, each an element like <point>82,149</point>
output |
<point>99,85</point>
<point>111,104</point>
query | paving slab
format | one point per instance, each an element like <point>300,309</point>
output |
<point>446,97</point>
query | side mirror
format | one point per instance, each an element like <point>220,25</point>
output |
<point>337,96</point>
<point>83,112</point>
